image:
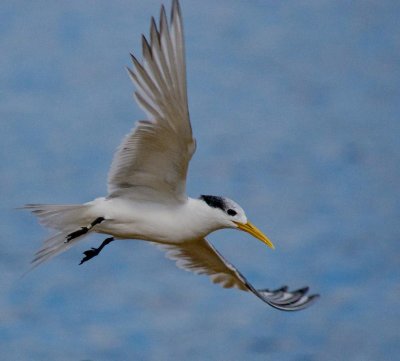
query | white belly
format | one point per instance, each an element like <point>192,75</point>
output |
<point>154,222</point>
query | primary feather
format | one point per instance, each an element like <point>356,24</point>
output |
<point>152,162</point>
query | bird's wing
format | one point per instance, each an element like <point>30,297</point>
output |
<point>152,161</point>
<point>202,258</point>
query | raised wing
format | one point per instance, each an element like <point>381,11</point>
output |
<point>202,258</point>
<point>152,161</point>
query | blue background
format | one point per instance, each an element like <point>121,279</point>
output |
<point>295,106</point>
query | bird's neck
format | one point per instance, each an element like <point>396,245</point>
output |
<point>200,215</point>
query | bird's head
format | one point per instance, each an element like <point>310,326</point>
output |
<point>231,215</point>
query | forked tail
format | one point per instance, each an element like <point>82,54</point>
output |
<point>65,220</point>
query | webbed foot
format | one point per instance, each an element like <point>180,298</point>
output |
<point>83,230</point>
<point>93,252</point>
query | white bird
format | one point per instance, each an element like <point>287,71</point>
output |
<point>147,181</point>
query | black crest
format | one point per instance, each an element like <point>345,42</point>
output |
<point>214,201</point>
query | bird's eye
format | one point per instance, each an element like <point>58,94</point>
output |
<point>231,212</point>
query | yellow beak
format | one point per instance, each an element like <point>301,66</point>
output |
<point>255,232</point>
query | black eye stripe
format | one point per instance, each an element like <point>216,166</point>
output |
<point>218,202</point>
<point>214,201</point>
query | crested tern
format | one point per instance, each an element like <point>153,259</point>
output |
<point>147,181</point>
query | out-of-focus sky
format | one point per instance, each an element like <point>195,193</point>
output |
<point>295,106</point>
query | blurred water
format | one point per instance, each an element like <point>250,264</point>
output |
<point>295,106</point>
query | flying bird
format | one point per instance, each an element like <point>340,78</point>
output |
<point>147,181</point>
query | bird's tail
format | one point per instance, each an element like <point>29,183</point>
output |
<point>63,220</point>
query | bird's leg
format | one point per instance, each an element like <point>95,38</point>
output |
<point>83,230</point>
<point>93,252</point>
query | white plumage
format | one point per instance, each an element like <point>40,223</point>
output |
<point>147,181</point>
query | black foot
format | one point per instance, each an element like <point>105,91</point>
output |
<point>83,230</point>
<point>89,254</point>
<point>93,252</point>
<point>76,234</point>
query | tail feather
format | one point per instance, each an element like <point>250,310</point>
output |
<point>58,217</point>
<point>49,251</point>
<point>64,219</point>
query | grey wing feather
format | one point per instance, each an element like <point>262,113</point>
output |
<point>202,258</point>
<point>152,162</point>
